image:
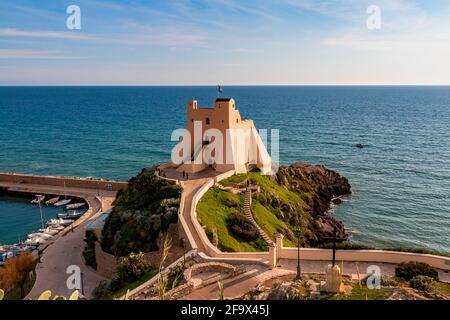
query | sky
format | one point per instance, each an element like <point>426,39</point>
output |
<point>231,42</point>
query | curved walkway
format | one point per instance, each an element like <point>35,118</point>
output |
<point>66,250</point>
<point>257,270</point>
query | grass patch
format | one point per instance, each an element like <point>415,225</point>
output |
<point>133,285</point>
<point>269,222</point>
<point>443,288</point>
<point>213,213</point>
<point>233,180</point>
<point>269,186</point>
<point>363,293</point>
<point>214,209</point>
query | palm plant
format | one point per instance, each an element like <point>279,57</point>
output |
<point>163,279</point>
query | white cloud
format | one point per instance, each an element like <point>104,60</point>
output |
<point>69,35</point>
<point>33,54</point>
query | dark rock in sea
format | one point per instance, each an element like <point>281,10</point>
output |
<point>360,146</point>
<point>336,200</point>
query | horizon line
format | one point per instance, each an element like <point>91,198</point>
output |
<point>234,85</point>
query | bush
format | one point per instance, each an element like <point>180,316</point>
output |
<point>101,290</point>
<point>241,227</point>
<point>175,275</point>
<point>89,258</point>
<point>133,266</point>
<point>409,270</point>
<point>141,212</point>
<point>423,283</point>
<point>389,281</point>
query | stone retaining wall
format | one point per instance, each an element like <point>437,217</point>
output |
<point>394,257</point>
<point>106,263</point>
<point>70,182</point>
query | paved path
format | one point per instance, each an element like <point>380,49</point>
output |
<point>255,275</point>
<point>190,188</point>
<point>64,252</point>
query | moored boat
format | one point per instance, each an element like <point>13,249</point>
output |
<point>74,206</point>
<point>62,203</point>
<point>59,222</point>
<point>38,199</point>
<point>49,231</point>
<point>70,215</point>
<point>52,201</point>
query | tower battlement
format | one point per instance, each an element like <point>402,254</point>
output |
<point>242,146</point>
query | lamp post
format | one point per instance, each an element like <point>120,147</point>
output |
<point>298,232</point>
<point>335,239</point>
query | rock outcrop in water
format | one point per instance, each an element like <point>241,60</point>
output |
<point>323,185</point>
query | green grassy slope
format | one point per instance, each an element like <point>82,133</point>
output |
<point>214,209</point>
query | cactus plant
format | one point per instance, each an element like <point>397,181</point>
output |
<point>75,295</point>
<point>45,295</point>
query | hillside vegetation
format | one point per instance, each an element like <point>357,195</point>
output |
<point>297,197</point>
<point>141,212</point>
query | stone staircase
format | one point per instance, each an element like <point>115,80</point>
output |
<point>249,215</point>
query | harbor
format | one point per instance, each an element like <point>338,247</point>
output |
<point>74,200</point>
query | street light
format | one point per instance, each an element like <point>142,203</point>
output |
<point>298,233</point>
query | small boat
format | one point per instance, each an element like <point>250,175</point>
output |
<point>39,198</point>
<point>52,201</point>
<point>62,203</point>
<point>49,231</point>
<point>34,241</point>
<point>74,206</point>
<point>59,222</point>
<point>39,235</point>
<point>70,215</point>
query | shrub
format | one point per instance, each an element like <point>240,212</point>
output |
<point>409,270</point>
<point>240,226</point>
<point>389,281</point>
<point>89,258</point>
<point>423,283</point>
<point>131,267</point>
<point>141,212</point>
<point>101,290</point>
<point>176,275</point>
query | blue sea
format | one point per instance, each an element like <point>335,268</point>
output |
<point>400,179</point>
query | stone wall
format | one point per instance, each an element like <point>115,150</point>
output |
<point>70,182</point>
<point>394,257</point>
<point>106,263</point>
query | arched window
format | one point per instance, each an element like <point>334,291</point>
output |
<point>207,121</point>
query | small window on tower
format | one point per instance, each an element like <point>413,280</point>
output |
<point>237,120</point>
<point>207,120</point>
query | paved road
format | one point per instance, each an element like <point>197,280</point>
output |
<point>255,275</point>
<point>64,252</point>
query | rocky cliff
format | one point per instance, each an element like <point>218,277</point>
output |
<point>318,187</point>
